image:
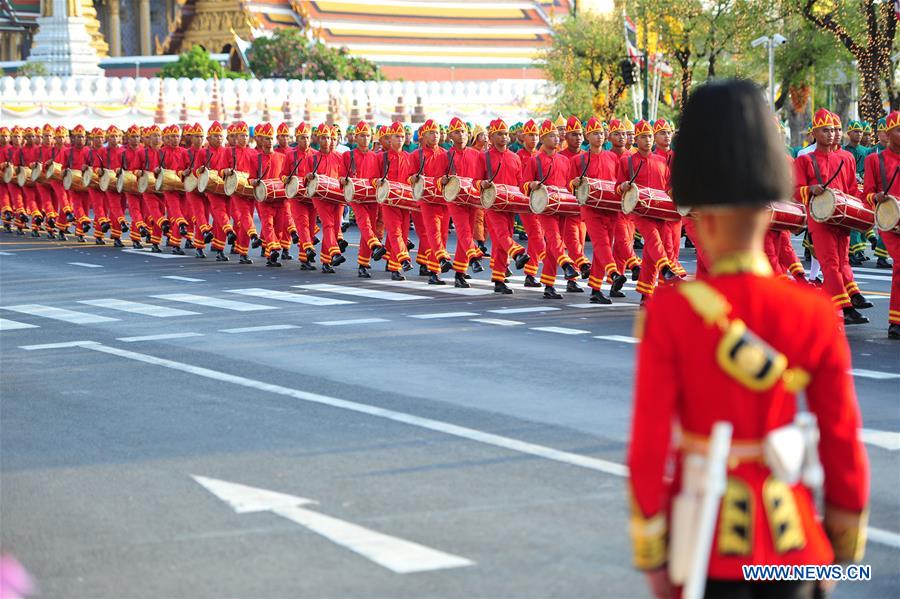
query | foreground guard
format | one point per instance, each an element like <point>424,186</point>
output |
<point>723,348</point>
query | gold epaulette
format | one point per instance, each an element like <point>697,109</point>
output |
<point>648,538</point>
<point>847,532</point>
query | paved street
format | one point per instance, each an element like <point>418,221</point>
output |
<point>381,439</point>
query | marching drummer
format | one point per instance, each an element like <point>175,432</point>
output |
<point>882,179</point>
<point>362,163</point>
<point>435,217</point>
<point>45,191</point>
<point>268,165</point>
<point>300,213</point>
<point>197,203</point>
<point>815,172</point>
<point>329,163</point>
<point>531,222</point>
<point>111,159</point>
<point>174,157</point>
<point>239,158</point>
<point>76,158</point>
<point>282,136</point>
<point>623,243</point>
<point>396,166</point>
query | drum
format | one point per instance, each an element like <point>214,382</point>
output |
<point>23,175</point>
<point>293,186</point>
<point>396,194</point>
<point>36,173</point>
<point>168,180</point>
<point>887,215</point>
<point>72,180</point>
<point>9,172</point>
<point>146,182</point>
<point>425,189</point>
<point>504,198</point>
<point>649,202</point>
<point>209,180</point>
<point>787,216</point>
<point>126,182</point>
<point>88,177</point>
<point>190,182</point>
<point>325,188</point>
<point>599,194</point>
<point>269,190</point>
<point>837,208</point>
<point>237,183</point>
<point>360,191</point>
<point>53,172</point>
<point>107,177</point>
<point>548,199</point>
<point>459,190</point>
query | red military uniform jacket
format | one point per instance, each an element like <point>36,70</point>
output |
<point>554,167</point>
<point>567,153</point>
<point>874,180</point>
<point>134,158</point>
<point>828,163</point>
<point>602,165</point>
<point>654,173</point>
<point>666,155</point>
<point>400,166</point>
<point>175,158</point>
<point>433,165</point>
<point>505,167</point>
<point>682,383</point>
<point>361,165</point>
<point>268,166</point>
<point>297,158</point>
<point>76,158</point>
<point>330,164</point>
<point>463,163</point>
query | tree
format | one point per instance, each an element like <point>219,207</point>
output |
<point>196,63</point>
<point>32,69</point>
<point>583,61</point>
<point>288,54</point>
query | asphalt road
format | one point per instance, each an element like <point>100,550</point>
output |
<point>488,430</point>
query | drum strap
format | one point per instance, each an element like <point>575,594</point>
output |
<point>161,157</point>
<point>90,160</point>
<point>100,158</point>
<point>631,166</point>
<point>451,167</point>
<point>387,163</point>
<point>538,167</point>
<point>147,159</point>
<point>123,160</point>
<point>815,164</point>
<point>259,171</point>
<point>585,162</point>
<point>352,163</point>
<point>233,157</point>
<point>882,167</point>
<point>209,156</point>
<point>421,154</point>
<point>487,164</point>
<point>192,155</point>
<point>21,156</point>
<point>69,159</point>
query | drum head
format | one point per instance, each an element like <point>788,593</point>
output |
<point>821,207</point>
<point>35,173</point>
<point>67,179</point>
<point>349,191</point>
<point>451,189</point>
<point>231,182</point>
<point>418,188</point>
<point>582,192</point>
<point>291,186</point>
<point>8,173</point>
<point>202,180</point>
<point>190,182</point>
<point>143,182</point>
<point>538,200</point>
<point>158,184</point>
<point>488,195</point>
<point>120,181</point>
<point>312,187</point>
<point>87,175</point>
<point>683,210</point>
<point>630,200</point>
<point>21,176</point>
<point>259,191</point>
<point>887,214</point>
<point>105,178</point>
<point>382,190</point>
<point>51,170</point>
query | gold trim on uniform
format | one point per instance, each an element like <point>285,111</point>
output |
<point>748,359</point>
<point>847,532</point>
<point>783,517</point>
<point>648,538</point>
<point>736,519</point>
<point>742,262</point>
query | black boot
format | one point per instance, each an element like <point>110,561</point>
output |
<point>397,276</point>
<point>423,271</point>
<point>873,241</point>
<point>363,272</point>
<point>573,287</point>
<point>483,248</point>
<point>245,259</point>
<point>894,331</point>
<point>853,259</point>
<point>310,255</point>
<point>638,244</point>
<point>851,316</point>
<point>378,253</point>
<point>530,281</point>
<point>500,287</point>
<point>154,248</point>
<point>178,251</point>
<point>407,265</point>
<point>434,279</point>
<point>338,259</point>
<point>522,236</point>
<point>230,238</point>
<point>137,245</point>
<point>295,238</point>
<point>315,240</point>
<point>585,270</point>
<point>476,265</point>
<point>344,227</point>
<point>569,271</point>
<point>165,228</point>
<point>123,227</point>
<point>326,269</point>
<point>459,280</point>
<point>70,217</point>
<point>199,253</point>
<point>667,274</point>
<point>105,227</point>
<point>597,297</point>
<point>521,260</point>
<point>220,256</point>
<point>550,293</point>
<point>86,227</point>
<point>410,245</point>
<point>80,239</point>
<point>144,232</point>
<point>446,265</point>
<point>286,255</point>
<point>272,260</point>
<point>635,273</point>
<point>859,301</point>
<point>62,236</point>
<point>883,262</point>
<point>189,245</point>
<point>616,293</point>
<point>343,245</point>
<point>618,281</point>
<point>255,242</point>
<point>306,266</point>
<point>117,243</point>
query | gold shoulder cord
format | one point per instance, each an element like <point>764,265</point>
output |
<point>740,353</point>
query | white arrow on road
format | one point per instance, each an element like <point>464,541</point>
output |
<point>397,555</point>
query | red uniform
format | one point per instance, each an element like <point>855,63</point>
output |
<point>46,191</point>
<point>175,158</point>
<point>880,168</point>
<point>219,205</point>
<point>682,379</point>
<point>400,167</point>
<point>537,248</point>
<point>364,165</point>
<point>504,168</point>
<point>271,213</point>
<point>832,242</point>
<point>243,161</point>
<point>435,218</point>
<point>330,213</point>
<point>152,204</point>
<point>623,243</point>
<point>98,198</point>
<point>463,163</point>
<point>132,159</point>
<point>197,203</point>
<point>300,213</point>
<point>111,158</point>
<point>655,174</point>
<point>76,158</point>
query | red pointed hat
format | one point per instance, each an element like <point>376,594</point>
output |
<point>661,125</point>
<point>892,120</point>
<point>264,130</point>
<point>429,125</point>
<point>456,124</point>
<point>616,126</point>
<point>593,124</point>
<point>497,126</point>
<point>529,127</point>
<point>396,128</point>
<point>824,118</point>
<point>643,127</point>
<point>215,129</point>
<point>112,130</point>
<point>303,129</point>
<point>547,127</point>
<point>573,124</point>
<point>76,130</point>
<point>283,129</point>
<point>362,127</point>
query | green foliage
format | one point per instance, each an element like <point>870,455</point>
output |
<point>288,54</point>
<point>196,63</point>
<point>32,69</point>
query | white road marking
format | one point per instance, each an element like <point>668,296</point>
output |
<point>85,264</point>
<point>872,277</point>
<point>59,314</point>
<point>260,329</point>
<point>340,323</point>
<point>62,345</point>
<point>12,325</point>
<point>159,337</point>
<point>885,439</point>
<point>561,330</point>
<point>885,537</point>
<point>147,252</point>
<point>497,321</point>
<point>449,288</point>
<point>524,310</point>
<point>620,338</point>
<point>397,555</point>
<point>6,253</point>
<point>285,296</point>
<point>857,269</point>
<point>874,374</point>
<point>188,279</point>
<point>363,292</point>
<point>443,315</point>
<point>616,305</point>
<point>213,302</point>
<point>138,308</point>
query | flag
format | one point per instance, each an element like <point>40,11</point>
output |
<point>631,39</point>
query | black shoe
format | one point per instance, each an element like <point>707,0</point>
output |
<point>883,263</point>
<point>183,230</point>
<point>459,280</point>
<point>123,227</point>
<point>483,249</point>
<point>62,236</point>
<point>344,227</point>
<point>220,256</point>
<point>476,265</point>
<point>326,269</point>
<point>854,260</point>
<point>306,266</point>
<point>105,227</point>
<point>573,287</point>
<point>618,281</point>
<point>199,253</point>
<point>521,260</point>
<point>117,243</point>
<point>585,270</point>
<point>310,255</point>
<point>295,238</point>
<point>143,232</point>
<point>550,293</point>
<point>851,316</point>
<point>286,255</point>
<point>233,251</point>
<point>894,331</point>
<point>99,241</point>
<point>859,301</point>
<point>51,235</point>
<point>343,245</point>
<point>70,217</point>
<point>507,274</point>
<point>467,276</point>
<point>635,273</point>
<point>315,240</point>
<point>231,238</point>
<point>433,279</point>
<point>188,244</point>
<point>8,227</point>
<point>502,288</point>
<point>616,293</point>
<point>378,253</point>
<point>24,218</point>
<point>137,245</point>
<point>423,271</point>
<point>20,232</point>
<point>256,242</point>
<point>397,276</point>
<point>407,265</point>
<point>154,248</point>
<point>522,236</point>
<point>873,241</point>
<point>86,227</point>
<point>638,244</point>
<point>338,259</point>
<point>272,260</point>
<point>446,265</point>
<point>363,272</point>
<point>569,271</point>
<point>530,281</point>
<point>687,242</point>
<point>166,227</point>
<point>597,297</point>
<point>178,251</point>
<point>862,256</point>
<point>667,274</point>
<point>245,259</point>
<point>410,245</point>
<point>35,233</point>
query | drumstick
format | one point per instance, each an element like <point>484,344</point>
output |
<point>840,166</point>
<point>549,169</point>
<point>891,182</point>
